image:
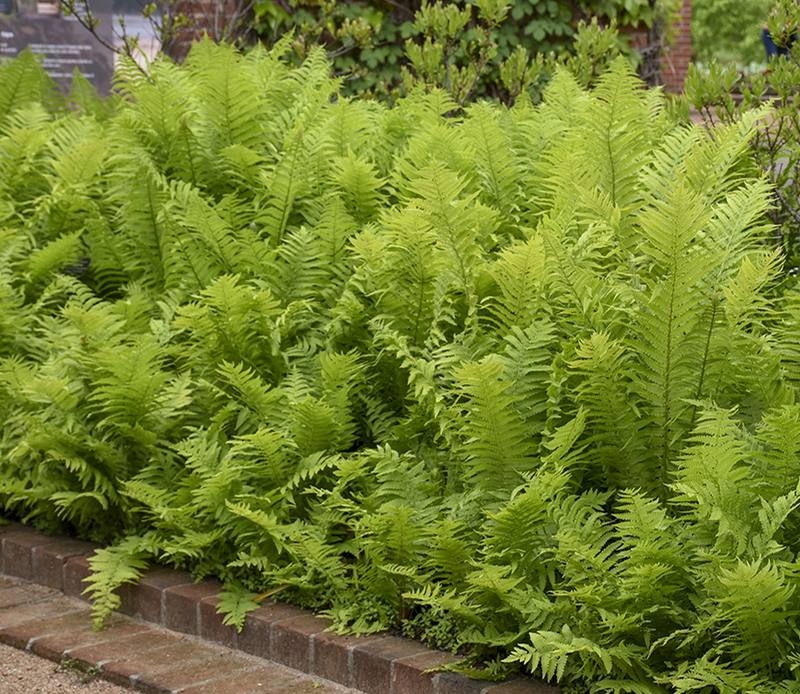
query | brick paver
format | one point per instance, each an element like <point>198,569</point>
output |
<point>136,654</point>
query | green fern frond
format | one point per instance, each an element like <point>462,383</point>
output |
<point>24,81</point>
<point>752,600</point>
<point>667,343</point>
<point>285,184</point>
<point>744,297</point>
<point>716,163</point>
<point>53,256</point>
<point>712,477</point>
<point>555,654</point>
<point>709,673</point>
<point>452,217</point>
<point>520,274</point>
<point>520,528</point>
<point>527,360</point>
<point>125,562</point>
<point>409,271</point>
<point>84,98</point>
<point>333,229</point>
<point>299,270</point>
<point>229,93</point>
<point>313,426</point>
<point>617,134</point>
<point>228,322</point>
<point>360,186</point>
<point>496,445</point>
<point>777,469</point>
<point>497,165</point>
<point>234,603</point>
<point>613,425</point>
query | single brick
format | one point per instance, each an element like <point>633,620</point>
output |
<point>76,570</point>
<point>9,530</point>
<point>48,560</point>
<point>524,685</point>
<point>24,594</point>
<point>20,635</point>
<point>85,636</point>
<point>306,686</point>
<point>255,637</point>
<point>121,671</point>
<point>456,683</point>
<point>211,627</point>
<point>372,662</point>
<point>14,528</point>
<point>332,655</point>
<point>17,553</point>
<point>39,610</point>
<point>292,641</point>
<point>181,605</point>
<point>146,598</point>
<point>409,675</point>
<point>250,682</point>
<point>122,645</point>
<point>193,672</point>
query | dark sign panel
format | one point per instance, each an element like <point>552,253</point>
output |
<point>62,41</point>
<point>64,44</point>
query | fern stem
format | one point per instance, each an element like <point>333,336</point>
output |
<point>667,384</point>
<point>184,129</point>
<point>706,350</point>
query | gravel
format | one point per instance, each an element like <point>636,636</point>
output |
<point>22,672</point>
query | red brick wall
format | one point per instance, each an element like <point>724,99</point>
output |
<point>676,59</point>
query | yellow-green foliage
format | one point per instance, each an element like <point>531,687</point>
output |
<point>508,379</point>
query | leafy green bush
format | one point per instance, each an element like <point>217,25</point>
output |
<point>382,47</point>
<point>729,30</point>
<point>513,380</point>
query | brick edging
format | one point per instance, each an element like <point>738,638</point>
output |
<point>376,664</point>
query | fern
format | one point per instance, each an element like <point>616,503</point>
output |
<point>24,81</point>
<point>518,380</point>
<point>234,603</point>
<point>752,600</point>
<point>112,567</point>
<point>667,340</point>
<point>496,446</point>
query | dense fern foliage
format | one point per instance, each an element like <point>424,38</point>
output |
<point>514,381</point>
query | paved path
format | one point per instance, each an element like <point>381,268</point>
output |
<point>137,654</point>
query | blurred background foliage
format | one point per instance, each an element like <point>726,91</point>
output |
<point>490,48</point>
<point>729,30</point>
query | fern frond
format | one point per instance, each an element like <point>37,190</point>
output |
<point>452,218</point>
<point>113,566</point>
<point>409,273</point>
<point>286,183</point>
<point>778,468</point>
<point>520,273</point>
<point>497,165</point>
<point>526,361</point>
<point>496,446</point>
<point>712,478</point>
<point>708,672</point>
<point>53,256</point>
<point>667,342</point>
<point>757,627</point>
<point>234,603</point>
<point>23,81</point>
<point>359,185</point>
